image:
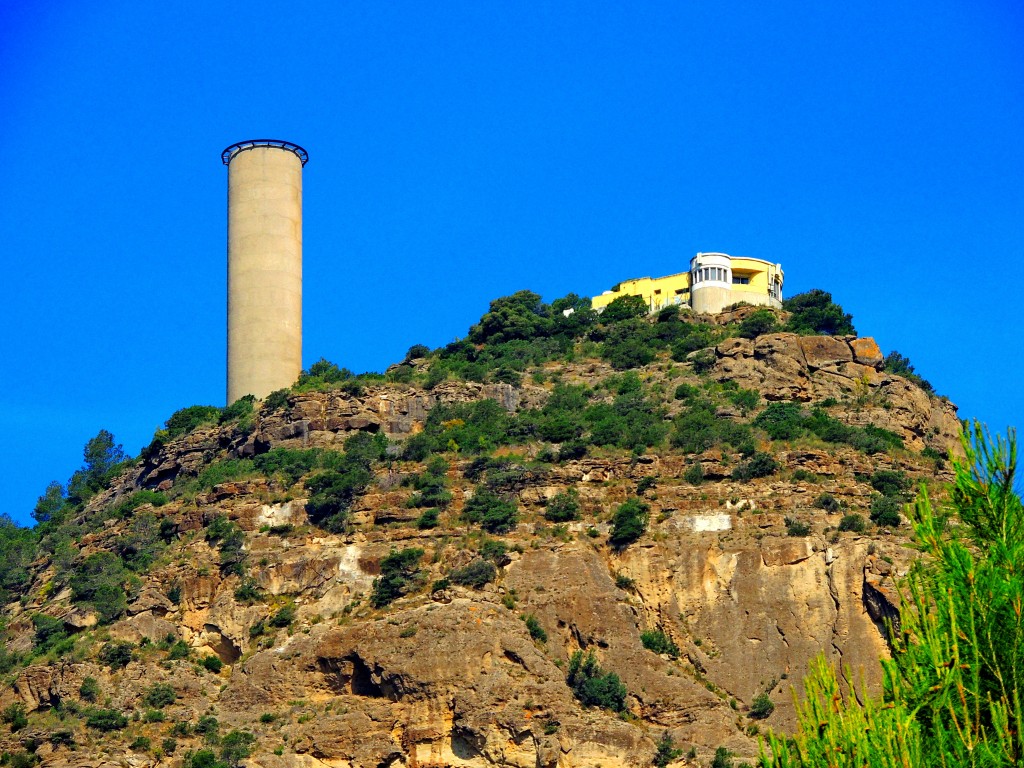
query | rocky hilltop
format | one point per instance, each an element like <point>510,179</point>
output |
<point>422,570</point>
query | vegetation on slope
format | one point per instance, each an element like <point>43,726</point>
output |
<point>647,389</point>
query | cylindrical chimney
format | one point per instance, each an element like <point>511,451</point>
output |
<point>264,266</point>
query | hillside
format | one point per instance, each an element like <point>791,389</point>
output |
<point>551,543</point>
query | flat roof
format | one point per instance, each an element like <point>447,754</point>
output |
<point>228,154</point>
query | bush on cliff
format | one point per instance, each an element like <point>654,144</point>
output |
<point>896,363</point>
<point>475,575</point>
<point>757,323</point>
<point>98,581</point>
<point>814,313</point>
<point>347,475</point>
<point>789,421</point>
<point>594,687</point>
<point>398,573</point>
<point>628,523</point>
<point>491,511</point>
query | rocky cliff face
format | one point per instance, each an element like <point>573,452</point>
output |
<point>452,675</point>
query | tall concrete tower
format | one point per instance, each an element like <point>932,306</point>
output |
<point>264,266</point>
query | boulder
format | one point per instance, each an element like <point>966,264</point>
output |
<point>866,352</point>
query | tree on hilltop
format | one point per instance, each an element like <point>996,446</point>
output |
<point>814,312</point>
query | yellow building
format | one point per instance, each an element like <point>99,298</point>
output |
<point>714,282</point>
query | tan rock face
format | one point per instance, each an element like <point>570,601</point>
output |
<point>807,369</point>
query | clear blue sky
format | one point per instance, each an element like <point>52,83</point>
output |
<point>460,151</point>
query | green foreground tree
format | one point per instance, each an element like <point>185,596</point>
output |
<point>952,692</point>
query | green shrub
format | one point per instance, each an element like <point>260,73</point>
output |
<point>852,522</point>
<point>761,707</point>
<point>888,482</point>
<point>494,550</point>
<point>333,493</point>
<point>703,360</point>
<point>656,641</point>
<point>181,728</point>
<point>695,336</point>
<point>212,664</point>
<point>814,312</point>
<point>141,542</point>
<point>757,323</point>
<point>475,575</point>
<point>248,591</point>
<point>533,626</point>
<point>628,523</point>
<point>563,507</point>
<point>686,392</point>
<point>722,759</point>
<point>781,420</point>
<point>628,344</point>
<point>592,686</point>
<point>179,650</point>
<point>666,752</point>
<point>428,519</point>
<point>801,475</point>
<point>207,726</point>
<point>106,720</point>
<point>276,400</point>
<point>117,654</point>
<point>631,421</point>
<point>521,315</point>
<point>321,375</point>
<point>694,474</point>
<point>89,690</point>
<point>240,411</point>
<point>123,509</point>
<point>398,572</point>
<point>24,759</point>
<point>62,738</point>
<point>473,428</point>
<point>141,744</point>
<point>188,419</point>
<point>828,502</point>
<point>885,511</point>
<point>896,363</point>
<point>99,582</point>
<point>48,631</point>
<point>224,471</point>
<point>288,464</point>
<point>236,746</point>
<point>18,547</point>
<point>431,485</point>
<point>745,399</point>
<point>696,429</point>
<point>14,715</point>
<point>493,513</point>
<point>284,616</point>
<point>159,696</point>
<point>626,307</point>
<point>758,465</point>
<point>797,528</point>
<point>203,758</point>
